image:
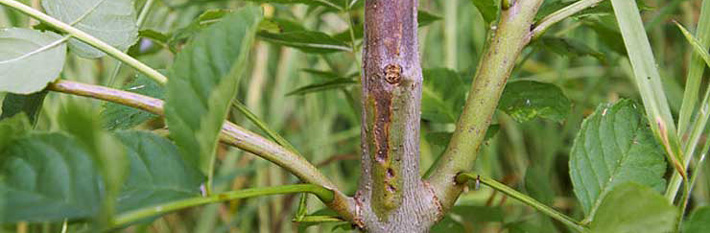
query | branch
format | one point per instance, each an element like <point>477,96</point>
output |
<point>231,134</point>
<point>323,194</point>
<point>552,19</point>
<point>549,211</point>
<point>86,38</point>
<point>511,36</point>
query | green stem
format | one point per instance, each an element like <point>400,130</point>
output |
<point>513,33</point>
<point>86,38</point>
<point>231,134</point>
<point>564,13</point>
<point>141,20</point>
<point>262,125</point>
<point>695,74</point>
<point>549,211</point>
<point>323,194</point>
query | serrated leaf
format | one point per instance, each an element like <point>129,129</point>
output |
<point>296,36</point>
<point>570,47</point>
<point>29,59</point>
<point>182,35</point>
<point>318,87</point>
<point>117,116</point>
<point>489,9</point>
<point>443,95</point>
<point>48,177</point>
<point>31,105</point>
<point>614,146</point>
<point>157,172</point>
<point>698,222</point>
<point>204,81</point>
<point>631,207</point>
<point>525,100</point>
<point>112,21</point>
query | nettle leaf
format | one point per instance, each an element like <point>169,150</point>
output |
<point>698,222</point>
<point>443,95</point>
<point>203,82</point>
<point>631,207</point>
<point>328,85</point>
<point>292,34</point>
<point>31,105</point>
<point>614,146</point>
<point>570,47</point>
<point>29,59</point>
<point>117,116</point>
<point>112,21</point>
<point>526,100</point>
<point>48,177</point>
<point>157,172</point>
<point>490,9</point>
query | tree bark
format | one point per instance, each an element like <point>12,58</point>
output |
<point>391,196</point>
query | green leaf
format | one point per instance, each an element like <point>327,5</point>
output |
<point>48,177</point>
<point>112,21</point>
<point>204,81</point>
<point>83,122</point>
<point>29,104</point>
<point>695,43</point>
<point>448,225</point>
<point>443,95</point>
<point>12,128</point>
<point>29,59</point>
<point>698,222</point>
<point>329,85</point>
<point>525,100</point>
<point>490,9</point>
<point>157,172</point>
<point>570,47</point>
<point>117,116</point>
<point>425,18</point>
<point>631,207</point>
<point>614,146</point>
<point>293,35</point>
<point>182,35</point>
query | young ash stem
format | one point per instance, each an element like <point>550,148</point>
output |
<point>512,34</point>
<point>391,195</point>
<point>231,134</point>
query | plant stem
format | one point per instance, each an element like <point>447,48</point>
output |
<point>323,194</point>
<point>549,211</point>
<point>141,20</point>
<point>564,13</point>
<point>512,34</point>
<point>695,72</point>
<point>231,134</point>
<point>86,38</point>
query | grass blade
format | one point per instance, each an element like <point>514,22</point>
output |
<point>696,69</point>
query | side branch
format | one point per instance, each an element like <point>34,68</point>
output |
<point>231,134</point>
<point>511,36</point>
<point>552,19</point>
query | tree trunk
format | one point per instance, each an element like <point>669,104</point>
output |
<point>392,196</point>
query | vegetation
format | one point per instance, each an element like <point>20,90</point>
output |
<point>354,115</point>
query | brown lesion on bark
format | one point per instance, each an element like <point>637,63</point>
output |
<point>393,74</point>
